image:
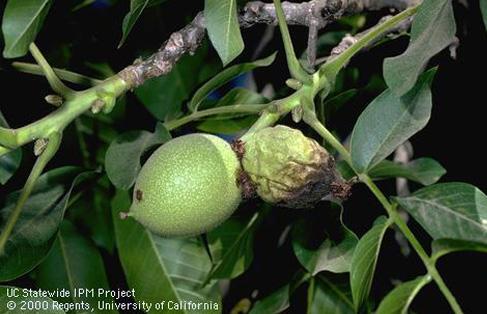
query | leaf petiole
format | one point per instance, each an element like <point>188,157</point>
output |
<point>295,68</point>
<point>54,140</point>
<point>51,76</point>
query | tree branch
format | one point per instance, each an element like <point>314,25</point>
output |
<point>315,13</point>
<point>349,40</point>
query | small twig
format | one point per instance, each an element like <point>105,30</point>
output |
<point>264,41</point>
<point>50,150</point>
<point>241,108</point>
<point>403,155</point>
<point>311,49</point>
<point>64,75</point>
<point>49,73</point>
<point>349,40</point>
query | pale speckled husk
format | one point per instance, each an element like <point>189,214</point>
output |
<point>187,186</point>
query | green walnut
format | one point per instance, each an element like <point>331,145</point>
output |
<point>187,186</point>
<point>290,169</point>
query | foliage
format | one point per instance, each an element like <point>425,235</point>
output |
<point>64,228</point>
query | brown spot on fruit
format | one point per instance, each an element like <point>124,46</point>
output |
<point>138,195</point>
<point>246,185</point>
<point>238,147</point>
<point>341,190</point>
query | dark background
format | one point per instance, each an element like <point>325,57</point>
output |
<point>455,135</point>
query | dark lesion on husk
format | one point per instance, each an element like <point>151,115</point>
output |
<point>288,169</point>
<point>323,183</point>
<point>244,182</point>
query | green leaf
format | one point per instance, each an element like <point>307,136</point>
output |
<point>449,210</point>
<point>35,230</point>
<point>231,247</point>
<point>345,170</point>
<point>122,160</point>
<point>433,29</point>
<point>91,211</point>
<point>74,264</point>
<point>16,296</point>
<point>400,298</point>
<point>278,301</point>
<point>325,297</point>
<point>136,9</point>
<point>223,28</point>
<point>333,104</point>
<point>317,255</point>
<point>163,96</point>
<point>22,20</point>
<point>10,162</point>
<point>483,9</point>
<point>162,268</point>
<point>388,121</point>
<point>274,303</point>
<point>426,171</point>
<point>364,260</point>
<point>442,247</point>
<point>224,77</point>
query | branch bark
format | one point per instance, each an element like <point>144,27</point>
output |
<point>315,13</point>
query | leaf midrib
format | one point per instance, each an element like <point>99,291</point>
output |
<point>447,209</point>
<point>66,263</point>
<point>161,263</point>
<point>229,24</point>
<point>234,244</point>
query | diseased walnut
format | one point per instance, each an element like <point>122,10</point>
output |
<point>290,169</point>
<point>246,185</point>
<point>238,147</point>
<point>138,195</point>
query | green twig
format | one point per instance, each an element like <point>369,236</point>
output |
<point>174,124</point>
<point>334,64</point>
<point>77,104</point>
<point>295,68</point>
<point>64,75</point>
<point>391,211</point>
<point>51,76</point>
<point>54,141</point>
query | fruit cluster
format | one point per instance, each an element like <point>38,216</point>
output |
<point>192,183</point>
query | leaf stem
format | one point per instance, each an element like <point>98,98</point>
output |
<point>334,64</point>
<point>391,211</point>
<point>295,68</point>
<point>51,77</point>
<point>54,141</point>
<point>64,75</point>
<point>174,124</point>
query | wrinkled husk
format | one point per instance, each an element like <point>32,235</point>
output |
<point>290,169</point>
